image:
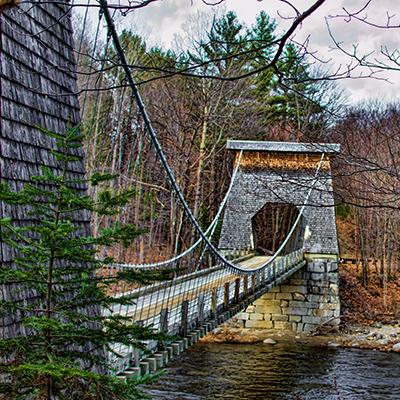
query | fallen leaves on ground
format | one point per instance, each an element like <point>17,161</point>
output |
<point>366,305</point>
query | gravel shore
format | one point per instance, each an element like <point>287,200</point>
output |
<point>377,337</point>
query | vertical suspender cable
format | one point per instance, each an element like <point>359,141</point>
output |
<point>149,126</point>
<point>162,157</point>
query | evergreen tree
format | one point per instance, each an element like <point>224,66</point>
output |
<point>223,50</point>
<point>67,326</point>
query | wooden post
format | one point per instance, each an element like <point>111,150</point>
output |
<point>214,303</point>
<point>245,283</point>
<point>164,320</point>
<point>184,318</point>
<point>163,326</point>
<point>226,295</point>
<point>253,283</point>
<point>237,290</point>
<point>200,309</point>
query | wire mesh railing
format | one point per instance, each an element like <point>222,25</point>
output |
<point>180,305</point>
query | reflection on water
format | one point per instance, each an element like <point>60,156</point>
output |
<point>283,371</point>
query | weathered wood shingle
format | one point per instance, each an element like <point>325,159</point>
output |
<point>38,87</point>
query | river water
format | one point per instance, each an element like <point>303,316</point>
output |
<point>284,371</point>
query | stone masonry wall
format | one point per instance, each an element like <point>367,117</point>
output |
<point>307,299</point>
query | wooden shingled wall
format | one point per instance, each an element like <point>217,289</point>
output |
<point>38,87</point>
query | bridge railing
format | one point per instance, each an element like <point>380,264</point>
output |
<point>180,305</point>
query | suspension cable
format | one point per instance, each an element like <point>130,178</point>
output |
<point>210,230</point>
<point>164,161</point>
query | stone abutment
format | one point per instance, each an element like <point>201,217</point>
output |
<point>307,300</point>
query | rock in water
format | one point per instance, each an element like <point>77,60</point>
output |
<point>269,341</point>
<point>396,347</point>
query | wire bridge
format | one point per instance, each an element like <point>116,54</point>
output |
<point>180,199</point>
<point>204,286</point>
<point>181,190</point>
<point>191,305</point>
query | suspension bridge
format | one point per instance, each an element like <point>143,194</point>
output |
<point>270,252</point>
<point>197,300</point>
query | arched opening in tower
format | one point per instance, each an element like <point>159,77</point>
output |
<point>272,224</point>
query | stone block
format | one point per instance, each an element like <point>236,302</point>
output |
<point>319,277</point>
<point>336,312</point>
<point>321,313</point>
<point>283,325</point>
<point>263,301</point>
<point>295,318</point>
<point>300,327</point>
<point>240,324</point>
<point>269,296</point>
<point>259,324</point>
<point>317,290</point>
<point>276,289</point>
<point>243,316</point>
<point>324,284</point>
<point>294,289</point>
<point>298,282</point>
<point>318,298</point>
<point>299,296</point>
<point>309,327</point>
<point>334,289</point>
<point>284,296</point>
<point>319,267</point>
<point>266,302</point>
<point>284,303</point>
<point>295,311</point>
<point>251,309</point>
<point>279,317</point>
<point>305,304</point>
<point>335,322</point>
<point>333,276</point>
<point>331,306</point>
<point>333,299</point>
<point>265,309</point>
<point>332,266</point>
<point>256,316</point>
<point>312,320</point>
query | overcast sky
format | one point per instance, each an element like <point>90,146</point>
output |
<point>163,21</point>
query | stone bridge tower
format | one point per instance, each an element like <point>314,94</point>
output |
<point>270,189</point>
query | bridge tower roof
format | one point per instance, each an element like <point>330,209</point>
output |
<point>283,147</point>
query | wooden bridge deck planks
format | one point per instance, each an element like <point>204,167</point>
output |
<point>150,305</point>
<point>174,306</point>
<point>254,262</point>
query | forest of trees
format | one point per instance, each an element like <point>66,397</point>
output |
<point>196,105</point>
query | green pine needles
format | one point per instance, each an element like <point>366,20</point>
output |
<point>56,312</point>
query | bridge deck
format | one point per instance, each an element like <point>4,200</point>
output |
<point>255,262</point>
<point>206,293</point>
<point>171,297</point>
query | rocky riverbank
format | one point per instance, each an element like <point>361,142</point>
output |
<point>383,337</point>
<point>370,319</point>
<point>378,337</point>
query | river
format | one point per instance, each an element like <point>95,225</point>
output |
<point>285,371</point>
